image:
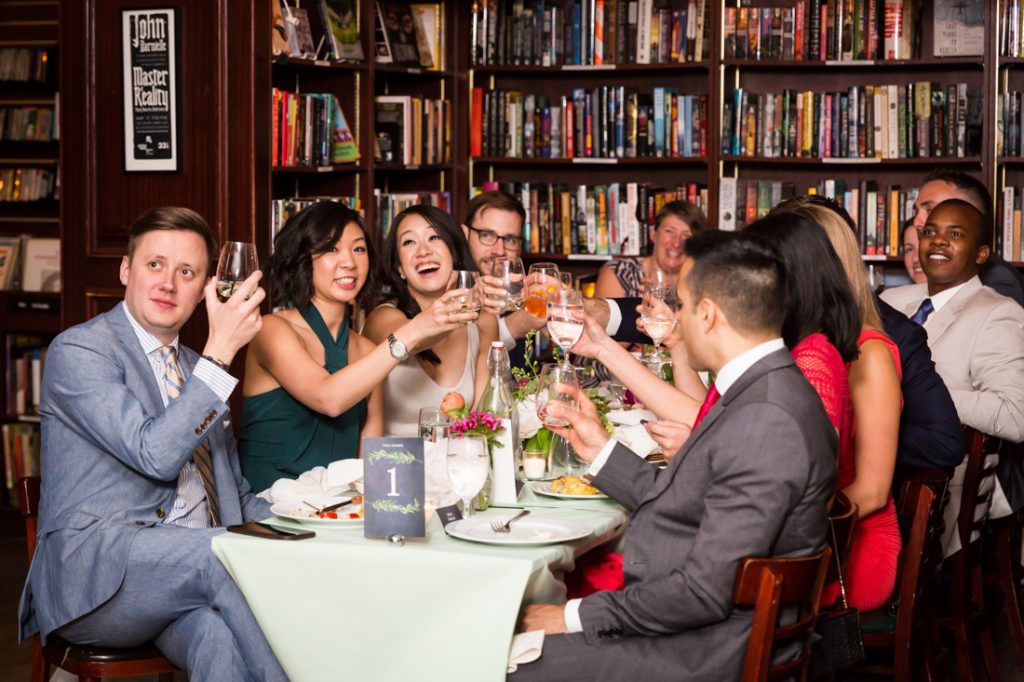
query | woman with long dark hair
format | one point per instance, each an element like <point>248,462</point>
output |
<point>312,385</point>
<point>423,250</point>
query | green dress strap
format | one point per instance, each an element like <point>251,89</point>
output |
<point>282,438</point>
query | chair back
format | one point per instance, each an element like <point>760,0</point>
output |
<point>979,482</point>
<point>842,515</point>
<point>28,505</point>
<point>922,501</point>
<point>769,585</point>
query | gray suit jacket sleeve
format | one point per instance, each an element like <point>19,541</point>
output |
<point>626,477</point>
<point>88,386</point>
<point>757,475</point>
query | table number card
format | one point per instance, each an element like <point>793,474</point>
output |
<point>393,487</point>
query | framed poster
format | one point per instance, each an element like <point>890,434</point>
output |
<point>150,87</point>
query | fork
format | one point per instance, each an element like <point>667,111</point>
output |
<point>499,527</point>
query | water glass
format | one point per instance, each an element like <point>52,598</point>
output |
<point>434,425</point>
<point>551,378</point>
<point>468,465</point>
<point>466,279</point>
<point>513,277</point>
<point>237,261</point>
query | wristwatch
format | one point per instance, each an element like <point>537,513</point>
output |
<point>398,350</point>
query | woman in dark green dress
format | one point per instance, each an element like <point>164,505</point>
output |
<point>313,387</point>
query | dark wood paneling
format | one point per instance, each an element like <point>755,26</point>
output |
<point>218,160</point>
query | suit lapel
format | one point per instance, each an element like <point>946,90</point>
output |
<point>939,322</point>
<point>775,360</point>
<point>125,334</point>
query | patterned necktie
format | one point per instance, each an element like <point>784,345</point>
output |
<point>926,309</point>
<point>706,406</point>
<point>174,382</point>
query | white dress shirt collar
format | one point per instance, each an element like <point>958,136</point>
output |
<point>737,367</point>
<point>943,297</point>
<point>148,342</point>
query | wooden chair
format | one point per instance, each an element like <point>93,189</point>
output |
<point>968,614</point>
<point>90,663</point>
<point>769,585</point>
<point>911,634</point>
<point>1003,569</point>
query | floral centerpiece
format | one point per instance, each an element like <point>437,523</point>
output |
<point>467,421</point>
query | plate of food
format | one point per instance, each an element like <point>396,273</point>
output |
<point>528,531</point>
<point>569,487</point>
<point>313,511</point>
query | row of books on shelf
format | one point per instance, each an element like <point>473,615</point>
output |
<point>864,122</point>
<point>29,263</point>
<point>411,34</point>
<point>1011,23</point>
<point>614,219</point>
<point>588,32</point>
<point>28,124</point>
<point>283,209</point>
<point>310,129</point>
<point>412,130</point>
<point>24,64</point>
<point>25,357</point>
<point>603,122</point>
<point>1008,242</point>
<point>388,205</point>
<point>1009,128</point>
<point>878,211</point>
<point>28,184</point>
<point>21,454</point>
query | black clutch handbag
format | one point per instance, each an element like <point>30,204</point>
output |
<point>839,644</point>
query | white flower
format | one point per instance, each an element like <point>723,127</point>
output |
<point>529,422</point>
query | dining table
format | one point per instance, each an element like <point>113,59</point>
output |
<point>434,608</point>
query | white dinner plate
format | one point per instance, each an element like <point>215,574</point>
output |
<point>527,531</point>
<point>297,511</point>
<point>545,489</point>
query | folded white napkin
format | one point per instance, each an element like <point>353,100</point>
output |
<point>529,422</point>
<point>637,439</point>
<point>335,479</point>
<point>526,648</point>
<point>631,417</point>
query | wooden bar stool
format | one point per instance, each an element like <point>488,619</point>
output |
<point>770,585</point>
<point>90,663</point>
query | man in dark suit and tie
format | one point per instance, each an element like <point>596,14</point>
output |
<point>753,479</point>
<point>140,468</point>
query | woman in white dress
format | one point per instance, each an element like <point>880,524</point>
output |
<point>421,252</point>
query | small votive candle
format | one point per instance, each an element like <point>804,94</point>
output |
<point>534,463</point>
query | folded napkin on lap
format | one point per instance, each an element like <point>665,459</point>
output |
<point>526,648</point>
<point>631,417</point>
<point>637,439</point>
<point>336,479</point>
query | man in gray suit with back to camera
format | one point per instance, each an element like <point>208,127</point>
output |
<point>140,468</point>
<point>753,479</point>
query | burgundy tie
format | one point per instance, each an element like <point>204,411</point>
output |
<point>708,403</point>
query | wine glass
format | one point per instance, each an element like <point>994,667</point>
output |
<point>551,377</point>
<point>658,312</point>
<point>237,262</point>
<point>513,277</point>
<point>466,279</point>
<point>541,282</point>
<point>468,464</point>
<point>563,326</point>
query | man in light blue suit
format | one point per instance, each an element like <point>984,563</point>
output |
<point>140,469</point>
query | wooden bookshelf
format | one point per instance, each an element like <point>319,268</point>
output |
<point>33,26</point>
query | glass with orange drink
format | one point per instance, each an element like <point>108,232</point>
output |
<point>541,283</point>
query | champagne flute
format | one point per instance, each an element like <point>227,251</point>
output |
<point>237,261</point>
<point>563,326</point>
<point>551,377</point>
<point>541,282</point>
<point>512,275</point>
<point>658,313</point>
<point>468,464</point>
<point>466,279</point>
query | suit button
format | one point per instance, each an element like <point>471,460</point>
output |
<point>140,523</point>
<point>161,513</point>
<point>213,413</point>
<point>199,431</point>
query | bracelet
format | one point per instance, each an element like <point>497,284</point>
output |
<point>217,362</point>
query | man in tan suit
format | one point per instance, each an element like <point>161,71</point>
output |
<point>975,334</point>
